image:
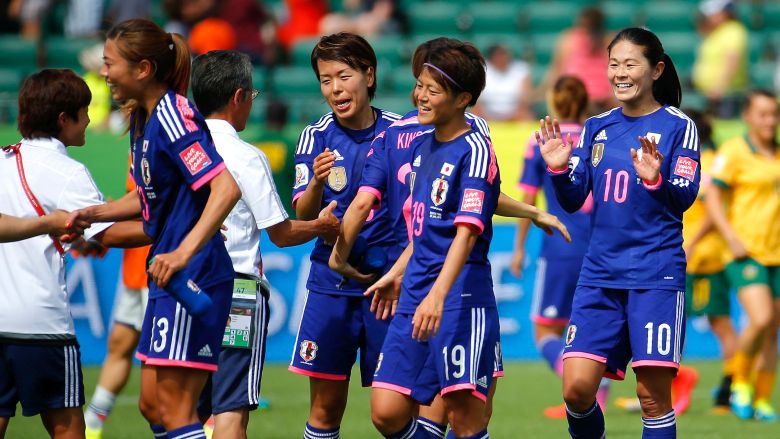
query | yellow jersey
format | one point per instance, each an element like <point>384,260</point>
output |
<point>753,183</point>
<point>711,253</point>
<point>731,36</point>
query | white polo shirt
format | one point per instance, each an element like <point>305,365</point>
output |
<point>33,298</point>
<point>259,207</point>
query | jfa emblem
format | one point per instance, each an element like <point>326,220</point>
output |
<point>570,334</point>
<point>439,191</point>
<point>337,180</point>
<point>308,350</point>
<point>597,154</point>
<point>146,173</point>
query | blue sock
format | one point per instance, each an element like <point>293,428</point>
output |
<point>551,348</point>
<point>192,431</point>
<point>664,427</point>
<point>587,425</point>
<point>481,435</point>
<point>431,429</point>
<point>159,431</point>
<point>320,433</point>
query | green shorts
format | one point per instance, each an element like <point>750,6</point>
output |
<point>707,294</point>
<point>748,271</point>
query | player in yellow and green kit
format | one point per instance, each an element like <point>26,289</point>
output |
<point>747,174</point>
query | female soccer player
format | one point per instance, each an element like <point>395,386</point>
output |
<point>336,320</point>
<point>559,263</point>
<point>184,194</point>
<point>630,300</point>
<point>747,173</point>
<point>443,336</point>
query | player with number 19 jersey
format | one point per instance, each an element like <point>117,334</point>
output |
<point>630,294</point>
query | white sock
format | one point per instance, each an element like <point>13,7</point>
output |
<point>99,407</point>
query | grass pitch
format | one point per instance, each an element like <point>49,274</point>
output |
<point>522,395</point>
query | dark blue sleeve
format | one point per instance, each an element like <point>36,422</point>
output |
<point>533,169</point>
<point>375,171</point>
<point>680,186</point>
<point>573,185</point>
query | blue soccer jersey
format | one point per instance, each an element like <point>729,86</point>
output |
<point>350,148</point>
<point>388,166</point>
<point>455,182</point>
<point>534,178</point>
<point>174,159</point>
<point>636,238</point>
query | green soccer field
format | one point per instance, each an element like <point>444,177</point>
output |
<point>522,395</point>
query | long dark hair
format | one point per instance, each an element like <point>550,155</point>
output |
<point>666,89</point>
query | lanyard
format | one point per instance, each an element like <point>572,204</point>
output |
<point>16,150</point>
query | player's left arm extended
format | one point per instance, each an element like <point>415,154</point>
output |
<point>508,206</point>
<point>351,225</point>
<point>427,317</point>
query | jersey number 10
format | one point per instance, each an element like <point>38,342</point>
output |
<point>620,191</point>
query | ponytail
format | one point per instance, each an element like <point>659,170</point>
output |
<point>666,89</point>
<point>179,77</point>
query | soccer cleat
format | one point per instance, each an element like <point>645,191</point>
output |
<point>628,404</point>
<point>742,400</point>
<point>682,387</point>
<point>555,412</point>
<point>90,433</point>
<point>263,404</point>
<point>763,411</point>
<point>721,395</point>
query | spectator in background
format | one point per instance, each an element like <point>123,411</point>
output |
<point>302,21</point>
<point>91,59</point>
<point>30,13</point>
<point>254,27</point>
<point>122,10</point>
<point>184,14</point>
<point>363,17</point>
<point>278,143</point>
<point>582,52</point>
<point>508,87</point>
<point>720,70</point>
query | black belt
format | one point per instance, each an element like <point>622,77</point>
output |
<point>261,287</point>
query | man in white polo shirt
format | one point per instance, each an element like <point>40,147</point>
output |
<point>222,90</point>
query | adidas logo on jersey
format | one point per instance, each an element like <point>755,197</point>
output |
<point>482,382</point>
<point>417,161</point>
<point>601,136</point>
<point>338,155</point>
<point>205,351</point>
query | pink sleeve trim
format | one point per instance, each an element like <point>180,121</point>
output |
<point>656,185</point>
<point>463,219</point>
<point>394,387</point>
<point>498,374</point>
<point>375,193</point>
<point>208,176</point>
<point>295,198</point>
<point>324,376</point>
<point>179,363</point>
<point>548,321</point>
<point>593,357</point>
<point>527,188</point>
<point>644,363</point>
<point>557,171</point>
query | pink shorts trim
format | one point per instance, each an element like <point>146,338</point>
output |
<point>464,386</point>
<point>295,198</point>
<point>141,357</point>
<point>655,185</point>
<point>644,363</point>
<point>557,171</point>
<point>179,363</point>
<point>548,321</point>
<point>498,374</point>
<point>324,376</point>
<point>619,375</point>
<point>593,357</point>
<point>527,188</point>
<point>208,177</point>
<point>463,219</point>
<point>375,193</point>
<point>395,388</point>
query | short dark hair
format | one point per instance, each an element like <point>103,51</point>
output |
<point>216,76</point>
<point>46,94</point>
<point>460,68</point>
<point>754,93</point>
<point>353,50</point>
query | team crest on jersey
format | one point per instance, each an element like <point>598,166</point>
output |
<point>308,350</point>
<point>439,191</point>
<point>145,146</point>
<point>146,173</point>
<point>597,154</point>
<point>301,175</point>
<point>337,179</point>
<point>446,169</point>
<point>195,158</point>
<point>570,334</point>
<point>750,272</point>
<point>472,201</point>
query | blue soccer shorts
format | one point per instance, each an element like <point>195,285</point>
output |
<point>554,285</point>
<point>462,356</point>
<point>40,377</point>
<point>333,329</point>
<point>615,326</point>
<point>170,336</point>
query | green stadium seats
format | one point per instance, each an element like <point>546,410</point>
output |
<point>552,16</point>
<point>669,16</point>
<point>544,47</point>
<point>260,79</point>
<point>494,17</point>
<point>63,53</point>
<point>519,45</point>
<point>402,80</point>
<point>295,81</point>
<point>434,17</point>
<point>770,13</point>
<point>306,109</point>
<point>619,15</point>
<point>757,45</point>
<point>18,52</point>
<point>692,99</point>
<point>681,47</point>
<point>762,74</point>
<point>300,54</point>
<point>537,73</point>
<point>400,104</point>
<point>10,80</point>
<point>389,49</point>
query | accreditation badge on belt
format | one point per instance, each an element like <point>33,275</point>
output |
<point>240,329</point>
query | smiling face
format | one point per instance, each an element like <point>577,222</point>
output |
<point>762,118</point>
<point>435,104</point>
<point>345,90</point>
<point>121,75</point>
<point>631,74</point>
